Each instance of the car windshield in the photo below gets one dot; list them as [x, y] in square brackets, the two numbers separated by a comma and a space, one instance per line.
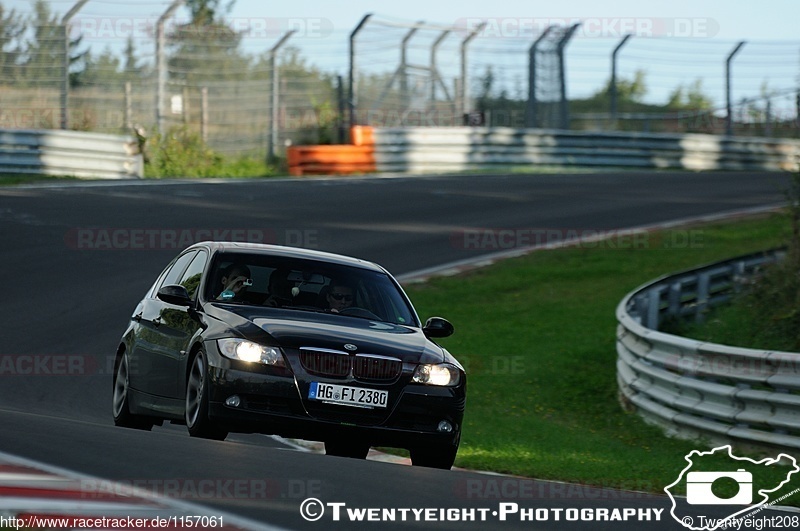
[306, 285]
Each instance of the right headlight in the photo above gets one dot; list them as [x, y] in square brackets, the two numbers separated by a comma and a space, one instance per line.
[244, 350]
[440, 374]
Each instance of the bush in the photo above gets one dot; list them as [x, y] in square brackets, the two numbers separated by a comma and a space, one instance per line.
[767, 314]
[182, 153]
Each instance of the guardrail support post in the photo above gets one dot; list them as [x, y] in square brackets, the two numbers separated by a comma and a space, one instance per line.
[703, 283]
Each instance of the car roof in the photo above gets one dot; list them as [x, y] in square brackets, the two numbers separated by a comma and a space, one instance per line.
[289, 252]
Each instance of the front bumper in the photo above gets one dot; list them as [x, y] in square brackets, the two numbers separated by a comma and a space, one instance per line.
[273, 404]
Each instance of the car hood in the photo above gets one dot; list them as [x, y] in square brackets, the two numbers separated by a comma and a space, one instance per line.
[292, 329]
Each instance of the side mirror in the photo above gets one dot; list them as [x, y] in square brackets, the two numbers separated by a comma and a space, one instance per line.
[174, 294]
[437, 327]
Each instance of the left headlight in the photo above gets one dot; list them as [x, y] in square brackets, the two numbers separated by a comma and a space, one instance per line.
[243, 350]
[442, 374]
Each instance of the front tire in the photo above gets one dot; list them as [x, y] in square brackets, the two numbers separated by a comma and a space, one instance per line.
[434, 456]
[196, 410]
[120, 403]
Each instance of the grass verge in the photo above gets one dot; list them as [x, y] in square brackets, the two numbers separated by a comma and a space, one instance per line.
[14, 179]
[537, 337]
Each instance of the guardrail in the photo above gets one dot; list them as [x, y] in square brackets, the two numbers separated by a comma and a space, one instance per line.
[448, 149]
[695, 389]
[70, 153]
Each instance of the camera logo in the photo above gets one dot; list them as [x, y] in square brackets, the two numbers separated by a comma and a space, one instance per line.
[699, 487]
[736, 486]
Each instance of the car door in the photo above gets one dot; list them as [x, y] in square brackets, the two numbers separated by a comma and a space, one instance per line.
[150, 348]
[176, 330]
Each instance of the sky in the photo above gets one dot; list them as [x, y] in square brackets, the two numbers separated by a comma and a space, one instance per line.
[674, 43]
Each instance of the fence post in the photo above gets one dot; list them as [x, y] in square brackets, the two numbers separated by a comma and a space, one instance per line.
[728, 104]
[351, 99]
[403, 69]
[564, 107]
[612, 88]
[532, 120]
[463, 81]
[65, 78]
[273, 125]
[128, 106]
[340, 134]
[204, 114]
[434, 72]
[161, 63]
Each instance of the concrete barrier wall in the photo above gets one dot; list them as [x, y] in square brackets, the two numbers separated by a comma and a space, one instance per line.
[453, 149]
[70, 153]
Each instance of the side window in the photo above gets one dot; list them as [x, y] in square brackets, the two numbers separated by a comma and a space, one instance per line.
[177, 269]
[191, 278]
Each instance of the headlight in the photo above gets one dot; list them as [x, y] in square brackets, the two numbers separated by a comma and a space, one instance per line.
[243, 350]
[441, 375]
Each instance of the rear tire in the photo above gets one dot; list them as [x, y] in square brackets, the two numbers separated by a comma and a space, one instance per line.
[434, 456]
[196, 409]
[346, 448]
[120, 403]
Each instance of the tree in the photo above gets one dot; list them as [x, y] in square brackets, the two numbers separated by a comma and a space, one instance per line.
[102, 70]
[689, 98]
[130, 67]
[44, 54]
[206, 48]
[12, 26]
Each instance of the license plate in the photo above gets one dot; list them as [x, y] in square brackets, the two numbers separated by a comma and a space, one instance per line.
[348, 396]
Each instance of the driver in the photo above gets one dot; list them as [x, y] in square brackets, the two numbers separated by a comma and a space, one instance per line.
[340, 296]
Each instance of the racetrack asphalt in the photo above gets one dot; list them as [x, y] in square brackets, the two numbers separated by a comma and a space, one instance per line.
[79, 256]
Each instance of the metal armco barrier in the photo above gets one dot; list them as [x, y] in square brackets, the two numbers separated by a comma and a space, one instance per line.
[699, 390]
[70, 153]
[449, 149]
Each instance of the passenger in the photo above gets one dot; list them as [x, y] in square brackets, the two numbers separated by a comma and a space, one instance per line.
[235, 281]
[279, 291]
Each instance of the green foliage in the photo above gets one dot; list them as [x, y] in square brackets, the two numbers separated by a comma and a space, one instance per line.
[46, 49]
[767, 314]
[181, 153]
[12, 26]
[206, 48]
[537, 337]
[689, 98]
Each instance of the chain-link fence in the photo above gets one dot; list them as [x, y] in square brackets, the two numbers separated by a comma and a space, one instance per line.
[251, 85]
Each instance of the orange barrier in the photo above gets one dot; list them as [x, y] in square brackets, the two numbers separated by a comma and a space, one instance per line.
[335, 160]
[362, 135]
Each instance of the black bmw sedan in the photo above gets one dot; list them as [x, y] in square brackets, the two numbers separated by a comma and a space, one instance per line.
[250, 338]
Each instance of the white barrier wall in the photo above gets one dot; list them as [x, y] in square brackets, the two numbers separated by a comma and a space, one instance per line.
[70, 153]
[433, 149]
